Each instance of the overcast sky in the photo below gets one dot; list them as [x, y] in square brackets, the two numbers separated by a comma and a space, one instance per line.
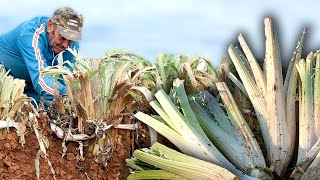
[193, 27]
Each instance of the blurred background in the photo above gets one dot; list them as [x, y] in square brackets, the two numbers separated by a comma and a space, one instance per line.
[193, 27]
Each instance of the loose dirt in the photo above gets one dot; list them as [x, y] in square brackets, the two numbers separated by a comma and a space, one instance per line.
[18, 162]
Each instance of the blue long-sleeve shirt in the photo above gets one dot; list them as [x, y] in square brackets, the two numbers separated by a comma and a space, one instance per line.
[26, 49]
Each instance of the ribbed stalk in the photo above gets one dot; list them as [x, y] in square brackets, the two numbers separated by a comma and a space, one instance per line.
[256, 98]
[267, 95]
[305, 162]
[241, 127]
[236, 81]
[232, 149]
[280, 138]
[187, 169]
[291, 95]
[259, 77]
[316, 99]
[179, 157]
[157, 107]
[313, 172]
[196, 143]
[296, 56]
[164, 130]
[155, 174]
[185, 106]
[217, 112]
[202, 148]
[245, 62]
[306, 122]
[240, 151]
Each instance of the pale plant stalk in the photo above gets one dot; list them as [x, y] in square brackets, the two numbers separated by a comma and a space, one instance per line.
[313, 172]
[162, 71]
[317, 96]
[306, 161]
[291, 95]
[241, 127]
[306, 121]
[279, 154]
[267, 96]
[257, 99]
[254, 164]
[236, 81]
[233, 148]
[172, 135]
[245, 62]
[309, 108]
[296, 56]
[290, 91]
[181, 164]
[215, 109]
[157, 107]
[155, 174]
[201, 139]
[190, 117]
[259, 77]
[189, 139]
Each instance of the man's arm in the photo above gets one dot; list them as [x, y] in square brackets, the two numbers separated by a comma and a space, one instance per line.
[31, 46]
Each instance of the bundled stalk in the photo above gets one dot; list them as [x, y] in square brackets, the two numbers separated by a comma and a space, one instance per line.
[184, 130]
[309, 142]
[306, 119]
[230, 133]
[174, 165]
[267, 94]
[316, 99]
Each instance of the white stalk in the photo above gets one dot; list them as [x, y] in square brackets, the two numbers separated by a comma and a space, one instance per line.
[305, 162]
[235, 80]
[193, 168]
[68, 136]
[291, 93]
[313, 172]
[241, 127]
[296, 56]
[9, 123]
[256, 98]
[280, 139]
[306, 122]
[316, 99]
[259, 77]
[188, 138]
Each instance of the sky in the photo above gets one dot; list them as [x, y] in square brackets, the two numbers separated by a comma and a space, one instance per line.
[192, 27]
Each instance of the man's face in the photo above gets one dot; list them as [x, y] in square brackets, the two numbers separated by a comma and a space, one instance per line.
[58, 42]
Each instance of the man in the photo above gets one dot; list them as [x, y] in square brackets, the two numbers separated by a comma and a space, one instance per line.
[35, 44]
